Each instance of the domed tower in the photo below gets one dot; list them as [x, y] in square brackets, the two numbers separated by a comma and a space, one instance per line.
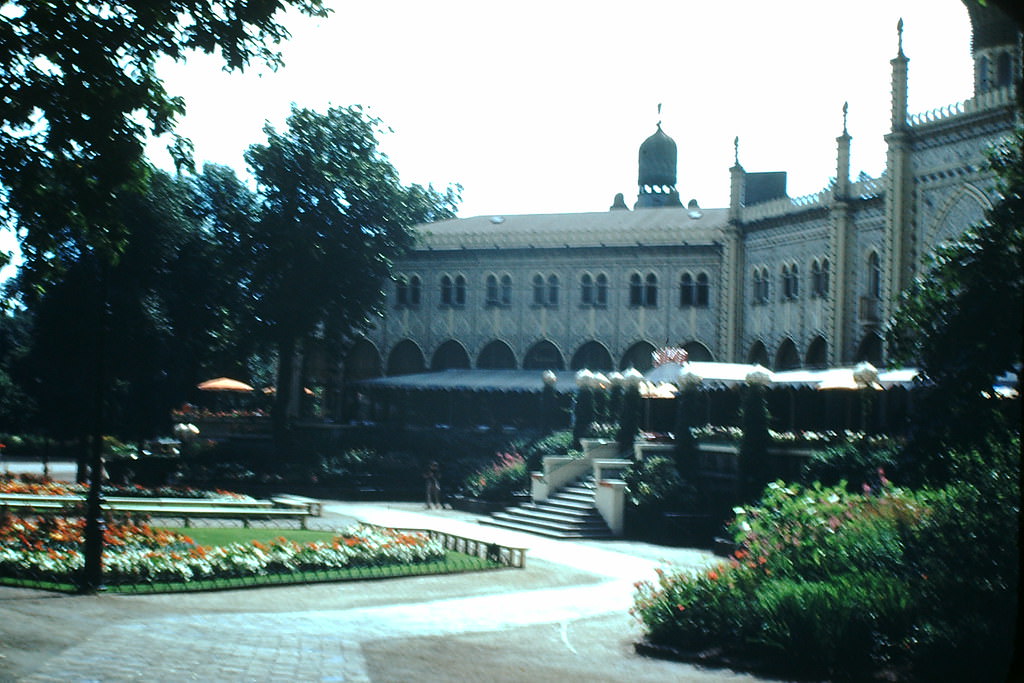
[995, 46]
[657, 176]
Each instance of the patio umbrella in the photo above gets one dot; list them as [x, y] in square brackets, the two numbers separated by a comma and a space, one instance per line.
[223, 384]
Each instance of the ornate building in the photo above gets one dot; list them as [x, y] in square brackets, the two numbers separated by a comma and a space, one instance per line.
[786, 282]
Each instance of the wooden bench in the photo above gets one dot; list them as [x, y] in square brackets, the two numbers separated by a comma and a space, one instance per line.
[288, 500]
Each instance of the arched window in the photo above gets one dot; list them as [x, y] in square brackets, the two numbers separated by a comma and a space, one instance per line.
[703, 299]
[460, 291]
[602, 290]
[686, 293]
[787, 284]
[824, 277]
[1004, 74]
[552, 290]
[586, 290]
[756, 285]
[794, 277]
[984, 74]
[506, 290]
[491, 298]
[401, 291]
[636, 290]
[651, 291]
[414, 290]
[538, 290]
[815, 279]
[446, 290]
[874, 276]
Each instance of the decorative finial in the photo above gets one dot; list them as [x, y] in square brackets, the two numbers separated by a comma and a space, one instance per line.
[899, 33]
[659, 114]
[736, 149]
[846, 110]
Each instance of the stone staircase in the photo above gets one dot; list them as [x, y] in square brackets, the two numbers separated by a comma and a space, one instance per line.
[569, 513]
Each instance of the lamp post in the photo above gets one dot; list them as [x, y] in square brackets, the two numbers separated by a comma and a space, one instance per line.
[753, 454]
[688, 382]
[583, 415]
[865, 376]
[629, 424]
[547, 399]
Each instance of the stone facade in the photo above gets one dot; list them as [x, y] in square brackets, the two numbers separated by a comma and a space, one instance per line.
[787, 282]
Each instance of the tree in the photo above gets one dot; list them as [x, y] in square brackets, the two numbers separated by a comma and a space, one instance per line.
[961, 321]
[78, 94]
[334, 217]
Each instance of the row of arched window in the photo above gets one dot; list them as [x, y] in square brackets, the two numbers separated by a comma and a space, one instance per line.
[790, 281]
[820, 275]
[694, 291]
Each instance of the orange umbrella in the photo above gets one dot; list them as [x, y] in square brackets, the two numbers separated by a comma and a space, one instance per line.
[273, 390]
[224, 384]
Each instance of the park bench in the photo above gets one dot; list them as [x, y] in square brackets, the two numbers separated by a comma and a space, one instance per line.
[288, 500]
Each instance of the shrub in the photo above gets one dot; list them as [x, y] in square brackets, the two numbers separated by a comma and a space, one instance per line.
[503, 479]
[654, 484]
[856, 462]
[821, 585]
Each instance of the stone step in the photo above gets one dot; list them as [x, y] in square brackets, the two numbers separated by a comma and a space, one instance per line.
[548, 515]
[559, 510]
[587, 499]
[546, 531]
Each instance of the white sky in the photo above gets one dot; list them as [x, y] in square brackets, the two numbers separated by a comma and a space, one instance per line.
[540, 106]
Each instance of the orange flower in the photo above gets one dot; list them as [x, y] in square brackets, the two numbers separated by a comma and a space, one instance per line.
[713, 575]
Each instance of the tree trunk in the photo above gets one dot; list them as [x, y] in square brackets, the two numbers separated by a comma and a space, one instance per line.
[281, 413]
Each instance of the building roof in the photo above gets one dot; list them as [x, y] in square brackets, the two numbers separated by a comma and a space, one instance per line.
[643, 227]
[514, 381]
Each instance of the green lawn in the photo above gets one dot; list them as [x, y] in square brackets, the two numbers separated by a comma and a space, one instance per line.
[229, 535]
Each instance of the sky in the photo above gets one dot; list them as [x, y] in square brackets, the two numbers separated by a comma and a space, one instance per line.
[540, 106]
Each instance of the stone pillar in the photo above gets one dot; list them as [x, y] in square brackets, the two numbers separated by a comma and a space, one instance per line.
[838, 294]
[899, 240]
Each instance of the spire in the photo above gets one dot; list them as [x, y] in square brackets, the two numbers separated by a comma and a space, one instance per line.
[899, 34]
[846, 111]
[736, 150]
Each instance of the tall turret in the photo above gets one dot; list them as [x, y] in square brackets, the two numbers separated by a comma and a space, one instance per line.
[657, 171]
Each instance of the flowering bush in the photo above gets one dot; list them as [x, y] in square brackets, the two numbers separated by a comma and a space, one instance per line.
[40, 487]
[50, 550]
[820, 583]
[506, 477]
[804, 439]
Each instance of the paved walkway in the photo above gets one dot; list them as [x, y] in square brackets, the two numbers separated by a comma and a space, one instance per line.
[563, 618]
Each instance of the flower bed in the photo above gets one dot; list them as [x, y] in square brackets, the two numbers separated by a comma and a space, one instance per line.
[50, 550]
[40, 487]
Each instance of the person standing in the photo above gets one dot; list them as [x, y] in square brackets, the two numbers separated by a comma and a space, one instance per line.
[433, 480]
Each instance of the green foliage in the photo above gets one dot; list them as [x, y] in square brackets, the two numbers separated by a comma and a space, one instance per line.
[504, 478]
[80, 94]
[969, 551]
[830, 583]
[961, 321]
[156, 320]
[655, 484]
[856, 462]
[334, 217]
